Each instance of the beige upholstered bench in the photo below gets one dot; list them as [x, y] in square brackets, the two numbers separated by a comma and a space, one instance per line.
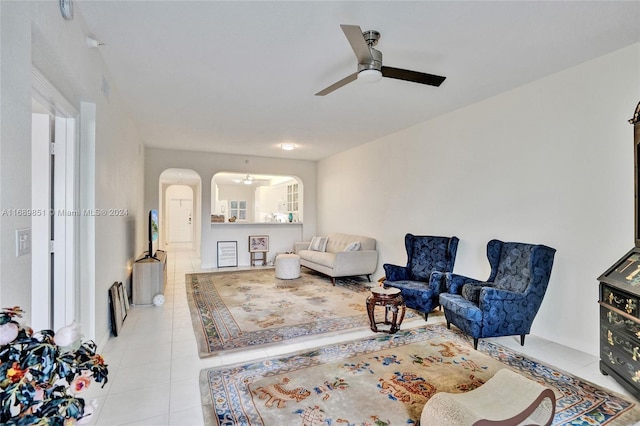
[287, 266]
[507, 399]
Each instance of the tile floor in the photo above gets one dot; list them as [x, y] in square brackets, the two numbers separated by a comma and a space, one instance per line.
[154, 363]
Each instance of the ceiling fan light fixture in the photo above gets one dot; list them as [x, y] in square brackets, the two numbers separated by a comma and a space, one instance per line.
[370, 76]
[287, 146]
[370, 68]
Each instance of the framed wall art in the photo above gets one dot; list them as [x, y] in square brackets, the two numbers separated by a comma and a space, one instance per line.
[227, 253]
[118, 307]
[258, 243]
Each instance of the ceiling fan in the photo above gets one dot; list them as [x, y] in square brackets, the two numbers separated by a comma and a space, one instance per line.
[370, 66]
[248, 180]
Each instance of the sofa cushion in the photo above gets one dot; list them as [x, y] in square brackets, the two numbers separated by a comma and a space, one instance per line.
[416, 294]
[471, 292]
[338, 242]
[318, 244]
[354, 246]
[318, 257]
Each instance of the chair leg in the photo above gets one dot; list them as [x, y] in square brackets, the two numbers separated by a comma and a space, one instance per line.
[369, 278]
[448, 325]
[426, 316]
[333, 280]
[522, 339]
[475, 343]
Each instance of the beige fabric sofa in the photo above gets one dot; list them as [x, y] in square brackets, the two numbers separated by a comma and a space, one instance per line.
[335, 261]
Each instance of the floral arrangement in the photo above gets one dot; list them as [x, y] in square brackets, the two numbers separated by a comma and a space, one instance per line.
[41, 373]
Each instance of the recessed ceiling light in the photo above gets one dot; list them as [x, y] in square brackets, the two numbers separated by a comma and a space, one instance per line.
[287, 146]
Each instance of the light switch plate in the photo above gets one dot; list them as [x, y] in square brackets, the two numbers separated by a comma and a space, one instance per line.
[23, 242]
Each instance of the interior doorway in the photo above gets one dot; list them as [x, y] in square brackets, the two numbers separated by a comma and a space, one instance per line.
[180, 214]
[54, 212]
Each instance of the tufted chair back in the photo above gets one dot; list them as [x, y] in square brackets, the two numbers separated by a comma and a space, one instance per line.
[512, 272]
[426, 254]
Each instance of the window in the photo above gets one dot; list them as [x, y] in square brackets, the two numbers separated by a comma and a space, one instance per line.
[292, 197]
[238, 209]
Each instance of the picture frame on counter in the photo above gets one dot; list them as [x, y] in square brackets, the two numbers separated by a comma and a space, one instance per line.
[258, 243]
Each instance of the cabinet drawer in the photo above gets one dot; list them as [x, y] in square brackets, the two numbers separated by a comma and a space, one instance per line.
[630, 348]
[621, 363]
[624, 325]
[620, 300]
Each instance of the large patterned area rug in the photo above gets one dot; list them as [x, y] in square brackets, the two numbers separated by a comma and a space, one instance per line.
[386, 380]
[241, 309]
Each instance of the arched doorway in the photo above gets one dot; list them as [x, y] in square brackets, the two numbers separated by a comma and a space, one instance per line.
[179, 208]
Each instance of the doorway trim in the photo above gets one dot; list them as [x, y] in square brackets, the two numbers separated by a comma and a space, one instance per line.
[60, 215]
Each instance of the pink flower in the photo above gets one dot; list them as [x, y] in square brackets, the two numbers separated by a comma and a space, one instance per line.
[79, 384]
[39, 396]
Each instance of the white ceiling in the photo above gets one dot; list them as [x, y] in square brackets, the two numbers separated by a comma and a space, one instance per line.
[239, 77]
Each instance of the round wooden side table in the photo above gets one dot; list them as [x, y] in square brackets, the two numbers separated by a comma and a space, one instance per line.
[391, 300]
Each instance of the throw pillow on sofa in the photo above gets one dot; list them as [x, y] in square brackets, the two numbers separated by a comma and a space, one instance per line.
[354, 246]
[318, 244]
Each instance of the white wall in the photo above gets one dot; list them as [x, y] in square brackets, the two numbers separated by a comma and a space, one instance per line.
[35, 33]
[207, 164]
[15, 149]
[550, 162]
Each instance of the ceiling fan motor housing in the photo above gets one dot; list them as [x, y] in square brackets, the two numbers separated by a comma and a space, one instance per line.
[371, 37]
[376, 62]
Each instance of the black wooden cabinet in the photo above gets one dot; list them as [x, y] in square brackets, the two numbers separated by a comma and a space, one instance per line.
[620, 300]
[620, 322]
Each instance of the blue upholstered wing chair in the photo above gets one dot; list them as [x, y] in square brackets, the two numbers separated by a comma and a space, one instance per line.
[422, 280]
[508, 301]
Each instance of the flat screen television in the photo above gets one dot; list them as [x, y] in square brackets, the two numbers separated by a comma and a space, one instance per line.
[153, 232]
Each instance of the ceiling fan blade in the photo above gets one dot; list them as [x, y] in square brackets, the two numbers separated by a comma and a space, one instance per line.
[414, 76]
[358, 44]
[339, 84]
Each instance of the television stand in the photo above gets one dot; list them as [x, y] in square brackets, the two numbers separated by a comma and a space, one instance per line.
[149, 277]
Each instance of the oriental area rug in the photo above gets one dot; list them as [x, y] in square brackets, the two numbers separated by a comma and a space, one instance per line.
[242, 309]
[386, 380]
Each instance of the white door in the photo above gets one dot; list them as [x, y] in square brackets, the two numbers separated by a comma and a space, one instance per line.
[180, 220]
[52, 214]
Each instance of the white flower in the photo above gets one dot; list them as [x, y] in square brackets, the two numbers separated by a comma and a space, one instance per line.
[68, 335]
[8, 333]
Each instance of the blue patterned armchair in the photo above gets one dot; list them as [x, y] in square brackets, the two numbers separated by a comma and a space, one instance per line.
[422, 280]
[507, 303]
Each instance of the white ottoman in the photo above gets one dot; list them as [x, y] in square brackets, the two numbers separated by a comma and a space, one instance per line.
[287, 266]
[506, 399]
